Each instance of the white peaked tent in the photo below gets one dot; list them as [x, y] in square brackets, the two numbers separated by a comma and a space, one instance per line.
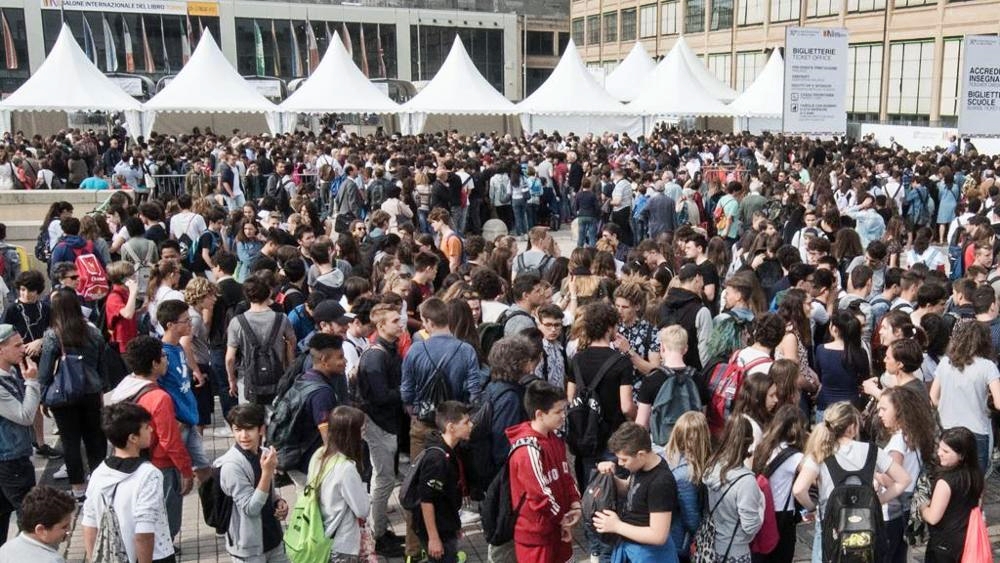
[759, 107]
[674, 92]
[458, 97]
[623, 81]
[68, 81]
[337, 86]
[209, 92]
[572, 100]
[715, 87]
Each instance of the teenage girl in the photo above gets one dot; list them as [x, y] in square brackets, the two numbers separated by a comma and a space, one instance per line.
[687, 455]
[778, 456]
[756, 402]
[956, 488]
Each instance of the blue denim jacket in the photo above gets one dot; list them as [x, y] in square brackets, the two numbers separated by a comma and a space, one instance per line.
[463, 376]
[18, 404]
[686, 520]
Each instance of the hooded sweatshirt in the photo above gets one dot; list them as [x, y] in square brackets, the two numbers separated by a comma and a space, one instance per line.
[540, 471]
[135, 489]
[67, 248]
[330, 284]
[687, 309]
[740, 512]
[166, 449]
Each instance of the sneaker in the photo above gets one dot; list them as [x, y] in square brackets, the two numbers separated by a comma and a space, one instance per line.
[422, 558]
[61, 473]
[48, 451]
[468, 517]
[388, 548]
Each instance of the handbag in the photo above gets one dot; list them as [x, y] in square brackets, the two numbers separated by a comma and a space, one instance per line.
[67, 385]
[366, 553]
[977, 539]
[916, 529]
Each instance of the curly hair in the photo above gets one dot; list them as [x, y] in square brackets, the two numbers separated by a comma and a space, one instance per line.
[596, 320]
[637, 290]
[511, 357]
[791, 310]
[198, 289]
[914, 419]
[969, 341]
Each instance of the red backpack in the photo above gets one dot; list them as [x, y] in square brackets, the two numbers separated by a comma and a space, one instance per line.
[93, 278]
[724, 385]
[767, 537]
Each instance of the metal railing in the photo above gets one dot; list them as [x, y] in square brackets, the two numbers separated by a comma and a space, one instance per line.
[169, 186]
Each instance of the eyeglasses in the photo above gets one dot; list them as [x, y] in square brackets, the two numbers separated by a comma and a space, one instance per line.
[552, 325]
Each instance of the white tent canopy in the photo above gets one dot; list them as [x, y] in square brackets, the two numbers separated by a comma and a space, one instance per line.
[458, 89]
[623, 81]
[764, 97]
[591, 110]
[68, 81]
[208, 84]
[715, 87]
[673, 91]
[338, 86]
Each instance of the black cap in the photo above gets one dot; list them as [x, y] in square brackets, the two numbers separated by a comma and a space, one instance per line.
[330, 311]
[688, 272]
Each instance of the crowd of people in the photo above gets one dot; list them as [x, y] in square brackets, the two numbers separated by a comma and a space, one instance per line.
[811, 314]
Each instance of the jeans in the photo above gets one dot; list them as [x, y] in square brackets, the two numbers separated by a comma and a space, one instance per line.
[234, 203]
[425, 226]
[195, 447]
[450, 546]
[220, 381]
[474, 219]
[533, 210]
[458, 218]
[382, 450]
[276, 555]
[586, 467]
[172, 498]
[17, 477]
[894, 529]
[520, 216]
[81, 423]
[983, 451]
[586, 231]
[506, 214]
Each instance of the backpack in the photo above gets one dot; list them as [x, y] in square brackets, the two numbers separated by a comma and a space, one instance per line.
[479, 469]
[283, 423]
[409, 490]
[94, 284]
[498, 510]
[43, 252]
[956, 251]
[377, 193]
[852, 525]
[537, 270]
[11, 265]
[283, 295]
[767, 537]
[260, 367]
[490, 333]
[729, 334]
[305, 539]
[772, 210]
[704, 539]
[724, 385]
[535, 188]
[109, 547]
[143, 268]
[335, 185]
[194, 249]
[462, 258]
[216, 505]
[588, 430]
[433, 392]
[601, 494]
[677, 395]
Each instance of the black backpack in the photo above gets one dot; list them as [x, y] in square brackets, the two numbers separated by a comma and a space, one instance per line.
[216, 506]
[853, 530]
[490, 333]
[588, 429]
[537, 270]
[260, 367]
[434, 391]
[499, 511]
[409, 490]
[42, 251]
[601, 494]
[283, 424]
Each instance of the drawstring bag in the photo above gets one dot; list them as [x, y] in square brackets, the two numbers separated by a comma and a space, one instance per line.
[977, 539]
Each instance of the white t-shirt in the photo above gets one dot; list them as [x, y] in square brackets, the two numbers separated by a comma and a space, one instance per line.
[963, 394]
[187, 222]
[911, 459]
[783, 478]
[492, 310]
[932, 257]
[750, 354]
[851, 456]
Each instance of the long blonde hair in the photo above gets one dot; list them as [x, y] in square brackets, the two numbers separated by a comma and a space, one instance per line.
[837, 420]
[689, 438]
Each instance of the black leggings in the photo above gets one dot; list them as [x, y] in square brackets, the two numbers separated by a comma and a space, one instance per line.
[81, 423]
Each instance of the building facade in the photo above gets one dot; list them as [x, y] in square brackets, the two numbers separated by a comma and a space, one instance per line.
[515, 44]
[904, 54]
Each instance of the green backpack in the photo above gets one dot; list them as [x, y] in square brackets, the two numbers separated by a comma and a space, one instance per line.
[729, 334]
[305, 539]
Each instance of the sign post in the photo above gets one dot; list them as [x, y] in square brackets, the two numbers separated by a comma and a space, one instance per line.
[979, 115]
[815, 81]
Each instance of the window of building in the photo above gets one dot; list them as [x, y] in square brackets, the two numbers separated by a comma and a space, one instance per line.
[668, 17]
[563, 42]
[485, 48]
[694, 16]
[750, 12]
[721, 65]
[910, 70]
[593, 30]
[951, 81]
[911, 3]
[820, 8]
[577, 29]
[540, 43]
[647, 21]
[748, 66]
[610, 23]
[864, 81]
[865, 5]
[722, 14]
[628, 25]
[784, 10]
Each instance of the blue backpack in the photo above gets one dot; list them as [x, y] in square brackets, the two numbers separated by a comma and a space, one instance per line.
[335, 185]
[678, 395]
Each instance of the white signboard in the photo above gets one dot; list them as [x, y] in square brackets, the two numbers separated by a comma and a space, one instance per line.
[175, 7]
[267, 87]
[815, 81]
[980, 111]
[131, 84]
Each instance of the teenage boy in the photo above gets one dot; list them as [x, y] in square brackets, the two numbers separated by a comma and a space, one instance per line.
[44, 519]
[246, 474]
[261, 320]
[643, 521]
[552, 368]
[167, 452]
[540, 473]
[132, 485]
[19, 399]
[437, 522]
[230, 295]
[208, 244]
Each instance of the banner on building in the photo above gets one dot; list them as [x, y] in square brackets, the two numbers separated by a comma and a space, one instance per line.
[815, 89]
[980, 111]
[163, 7]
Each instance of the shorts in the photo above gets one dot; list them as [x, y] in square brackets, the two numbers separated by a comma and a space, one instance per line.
[195, 447]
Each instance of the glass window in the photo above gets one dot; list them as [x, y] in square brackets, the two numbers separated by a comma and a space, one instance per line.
[593, 30]
[865, 5]
[628, 25]
[864, 79]
[721, 66]
[820, 8]
[748, 66]
[910, 3]
[784, 10]
[577, 29]
[951, 81]
[750, 12]
[610, 24]
[694, 17]
[563, 42]
[485, 47]
[647, 21]
[910, 70]
[540, 43]
[668, 17]
[722, 14]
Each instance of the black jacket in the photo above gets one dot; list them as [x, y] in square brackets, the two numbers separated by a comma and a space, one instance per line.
[681, 308]
[438, 484]
[379, 376]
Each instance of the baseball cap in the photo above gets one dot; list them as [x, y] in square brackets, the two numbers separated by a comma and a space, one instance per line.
[6, 332]
[688, 272]
[331, 311]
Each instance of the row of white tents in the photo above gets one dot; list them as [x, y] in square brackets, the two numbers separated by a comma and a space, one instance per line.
[209, 92]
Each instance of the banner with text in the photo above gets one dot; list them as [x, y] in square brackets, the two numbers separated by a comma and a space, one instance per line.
[164, 7]
[980, 111]
[815, 81]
